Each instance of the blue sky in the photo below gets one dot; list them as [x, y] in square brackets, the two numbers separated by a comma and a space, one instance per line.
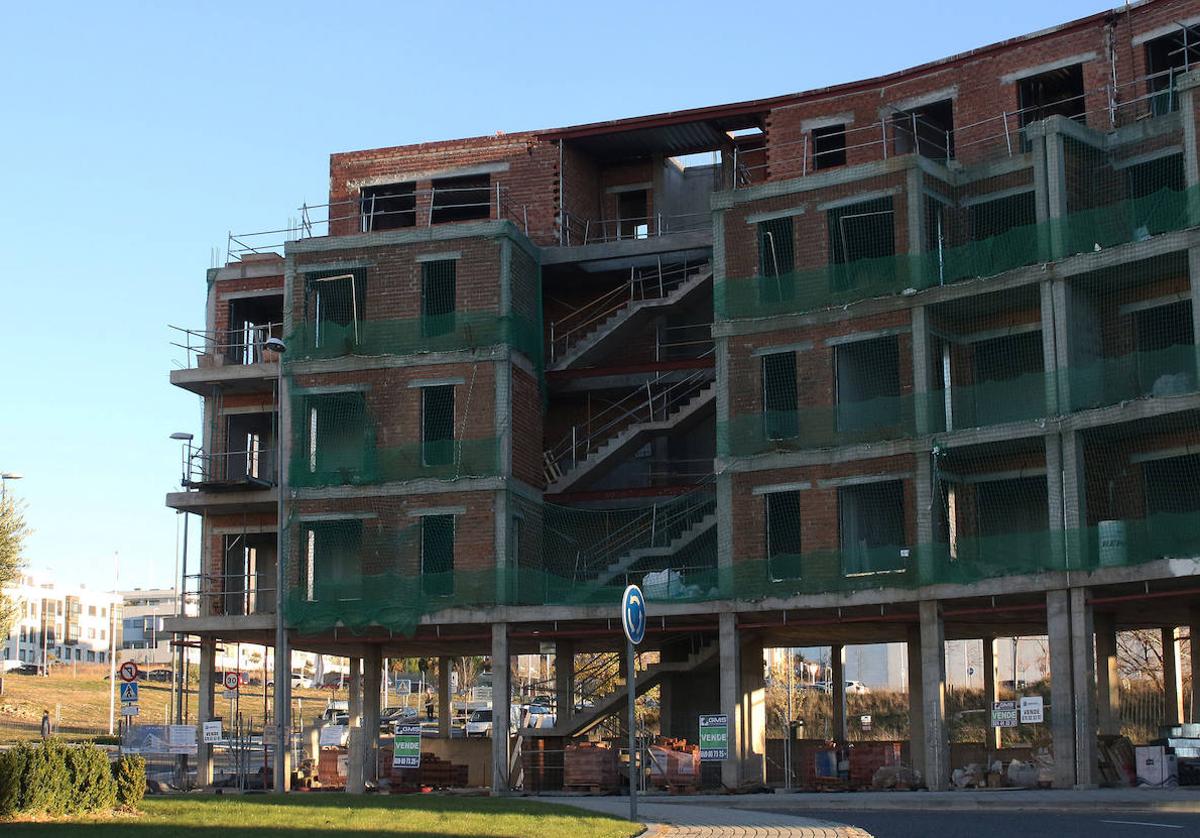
[135, 135]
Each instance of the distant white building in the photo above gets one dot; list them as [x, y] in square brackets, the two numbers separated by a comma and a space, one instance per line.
[60, 624]
[143, 638]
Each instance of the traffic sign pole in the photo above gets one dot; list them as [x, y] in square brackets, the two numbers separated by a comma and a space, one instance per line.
[633, 777]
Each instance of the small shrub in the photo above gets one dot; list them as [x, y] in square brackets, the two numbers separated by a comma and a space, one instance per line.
[47, 782]
[12, 779]
[93, 787]
[130, 774]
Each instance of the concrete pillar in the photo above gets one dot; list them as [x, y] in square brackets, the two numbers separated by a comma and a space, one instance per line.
[1172, 678]
[445, 698]
[927, 563]
[1083, 684]
[501, 702]
[1194, 654]
[923, 407]
[372, 679]
[1049, 348]
[355, 779]
[752, 710]
[992, 738]
[1062, 711]
[1108, 682]
[564, 679]
[1074, 501]
[916, 701]
[837, 666]
[206, 710]
[933, 683]
[1054, 502]
[729, 654]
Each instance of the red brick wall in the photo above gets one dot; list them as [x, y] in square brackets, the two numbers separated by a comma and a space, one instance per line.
[818, 506]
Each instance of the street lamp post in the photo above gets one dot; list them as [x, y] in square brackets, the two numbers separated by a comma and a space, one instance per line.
[283, 657]
[5, 476]
[181, 604]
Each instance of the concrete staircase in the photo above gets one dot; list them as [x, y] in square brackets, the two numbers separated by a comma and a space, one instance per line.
[631, 437]
[626, 320]
[582, 722]
[666, 551]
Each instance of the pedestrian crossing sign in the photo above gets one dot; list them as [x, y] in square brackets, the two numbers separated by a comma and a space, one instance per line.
[129, 692]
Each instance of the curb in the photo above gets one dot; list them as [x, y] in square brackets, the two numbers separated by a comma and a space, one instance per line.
[917, 804]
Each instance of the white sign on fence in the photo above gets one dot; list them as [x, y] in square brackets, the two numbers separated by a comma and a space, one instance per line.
[1032, 710]
[212, 732]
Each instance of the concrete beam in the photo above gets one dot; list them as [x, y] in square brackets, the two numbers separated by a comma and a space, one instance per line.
[1083, 684]
[1108, 681]
[1062, 710]
[206, 709]
[501, 701]
[1172, 678]
[933, 682]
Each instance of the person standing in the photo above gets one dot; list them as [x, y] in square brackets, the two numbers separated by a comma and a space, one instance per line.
[45, 724]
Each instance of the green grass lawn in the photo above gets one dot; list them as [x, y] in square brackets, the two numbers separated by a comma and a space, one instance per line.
[326, 815]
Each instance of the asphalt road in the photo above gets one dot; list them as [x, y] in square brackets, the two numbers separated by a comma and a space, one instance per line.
[935, 824]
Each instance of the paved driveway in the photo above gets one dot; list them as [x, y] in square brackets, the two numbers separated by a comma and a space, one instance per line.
[687, 820]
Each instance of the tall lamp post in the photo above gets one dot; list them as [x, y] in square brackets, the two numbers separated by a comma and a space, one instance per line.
[5, 476]
[180, 660]
[283, 656]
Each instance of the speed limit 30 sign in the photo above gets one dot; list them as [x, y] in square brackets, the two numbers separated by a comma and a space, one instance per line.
[232, 680]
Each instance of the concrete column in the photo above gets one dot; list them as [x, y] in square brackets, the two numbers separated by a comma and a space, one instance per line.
[1083, 684]
[752, 710]
[916, 701]
[1074, 501]
[1062, 710]
[992, 737]
[730, 667]
[837, 665]
[501, 703]
[933, 682]
[1172, 678]
[372, 684]
[922, 407]
[206, 710]
[1054, 502]
[1049, 348]
[1108, 683]
[926, 562]
[445, 704]
[1194, 271]
[355, 778]
[564, 679]
[1194, 654]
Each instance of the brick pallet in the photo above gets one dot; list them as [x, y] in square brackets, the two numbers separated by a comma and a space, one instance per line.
[674, 764]
[868, 757]
[329, 767]
[542, 763]
[590, 766]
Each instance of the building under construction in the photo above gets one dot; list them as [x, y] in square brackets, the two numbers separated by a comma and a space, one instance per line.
[909, 359]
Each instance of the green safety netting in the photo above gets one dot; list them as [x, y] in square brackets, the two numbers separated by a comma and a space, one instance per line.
[361, 577]
[1171, 371]
[1080, 231]
[435, 333]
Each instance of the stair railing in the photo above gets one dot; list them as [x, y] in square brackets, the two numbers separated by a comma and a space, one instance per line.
[642, 284]
[653, 401]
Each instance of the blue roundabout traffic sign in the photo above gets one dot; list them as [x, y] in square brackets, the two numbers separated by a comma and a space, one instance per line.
[633, 614]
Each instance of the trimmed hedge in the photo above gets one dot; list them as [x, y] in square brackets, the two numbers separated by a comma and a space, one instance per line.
[130, 772]
[53, 779]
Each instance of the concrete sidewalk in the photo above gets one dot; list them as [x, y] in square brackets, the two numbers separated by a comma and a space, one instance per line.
[676, 817]
[1181, 800]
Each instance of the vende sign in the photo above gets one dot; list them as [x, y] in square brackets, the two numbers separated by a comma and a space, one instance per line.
[714, 737]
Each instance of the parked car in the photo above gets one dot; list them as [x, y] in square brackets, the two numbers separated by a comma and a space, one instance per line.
[479, 723]
[162, 676]
[857, 688]
[534, 715]
[393, 716]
